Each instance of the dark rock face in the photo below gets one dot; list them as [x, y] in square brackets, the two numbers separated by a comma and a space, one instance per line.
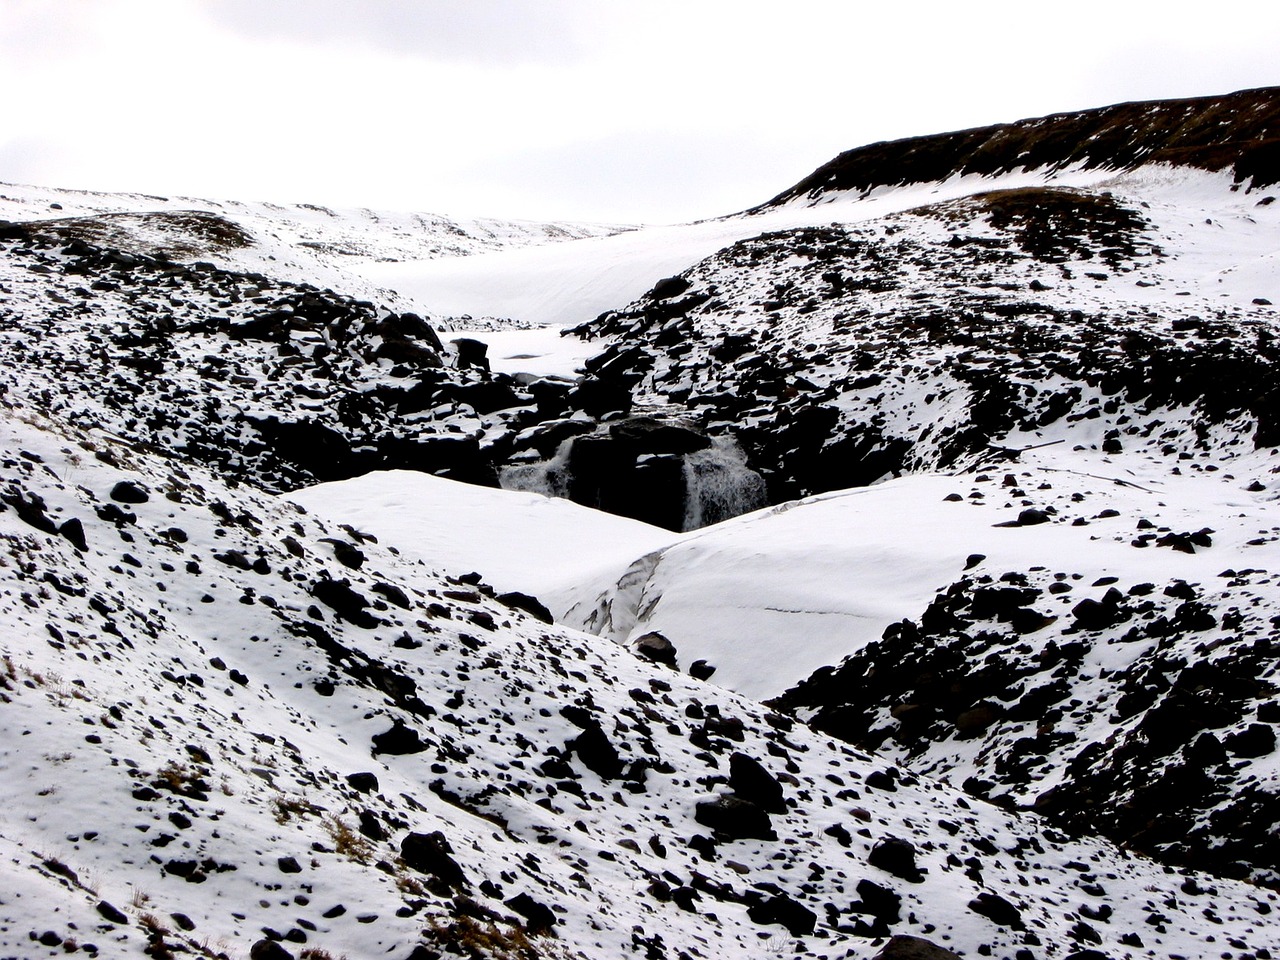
[1207, 132]
[735, 818]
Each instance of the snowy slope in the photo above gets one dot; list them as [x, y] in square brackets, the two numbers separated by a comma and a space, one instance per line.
[1051, 377]
[572, 283]
[225, 721]
[544, 546]
[305, 243]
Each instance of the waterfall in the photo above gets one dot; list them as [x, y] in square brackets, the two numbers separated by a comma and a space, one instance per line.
[547, 477]
[719, 485]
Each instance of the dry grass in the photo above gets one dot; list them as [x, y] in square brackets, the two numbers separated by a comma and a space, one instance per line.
[347, 842]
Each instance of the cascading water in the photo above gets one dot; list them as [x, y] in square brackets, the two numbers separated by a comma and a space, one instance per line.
[547, 477]
[719, 485]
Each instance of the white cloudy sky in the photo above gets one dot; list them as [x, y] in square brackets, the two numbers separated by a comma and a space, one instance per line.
[643, 110]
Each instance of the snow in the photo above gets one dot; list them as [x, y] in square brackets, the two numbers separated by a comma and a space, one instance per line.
[770, 597]
[206, 730]
[574, 282]
[517, 541]
[179, 694]
[302, 242]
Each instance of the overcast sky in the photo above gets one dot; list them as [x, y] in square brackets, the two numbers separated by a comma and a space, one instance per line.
[643, 110]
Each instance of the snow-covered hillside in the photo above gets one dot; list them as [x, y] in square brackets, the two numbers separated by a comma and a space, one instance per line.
[934, 613]
[300, 242]
[225, 720]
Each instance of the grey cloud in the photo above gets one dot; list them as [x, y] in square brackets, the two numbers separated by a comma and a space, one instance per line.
[476, 31]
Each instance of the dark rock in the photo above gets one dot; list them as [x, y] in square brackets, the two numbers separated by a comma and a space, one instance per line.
[126, 491]
[736, 818]
[596, 752]
[363, 782]
[431, 854]
[669, 287]
[701, 670]
[471, 353]
[998, 910]
[880, 902]
[289, 865]
[1255, 740]
[654, 646]
[269, 950]
[371, 827]
[73, 530]
[345, 602]
[897, 857]
[902, 947]
[111, 913]
[749, 780]
[648, 435]
[398, 741]
[538, 916]
[781, 908]
[1092, 614]
[530, 605]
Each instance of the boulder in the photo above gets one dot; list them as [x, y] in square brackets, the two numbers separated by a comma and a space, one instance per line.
[431, 854]
[751, 781]
[897, 857]
[656, 647]
[736, 818]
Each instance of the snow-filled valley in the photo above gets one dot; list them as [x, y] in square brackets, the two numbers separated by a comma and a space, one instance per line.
[888, 571]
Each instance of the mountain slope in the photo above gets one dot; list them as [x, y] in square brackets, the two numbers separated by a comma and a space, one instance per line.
[304, 736]
[1239, 132]
[303, 243]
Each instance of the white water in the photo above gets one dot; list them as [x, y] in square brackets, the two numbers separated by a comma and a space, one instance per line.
[719, 485]
[547, 477]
